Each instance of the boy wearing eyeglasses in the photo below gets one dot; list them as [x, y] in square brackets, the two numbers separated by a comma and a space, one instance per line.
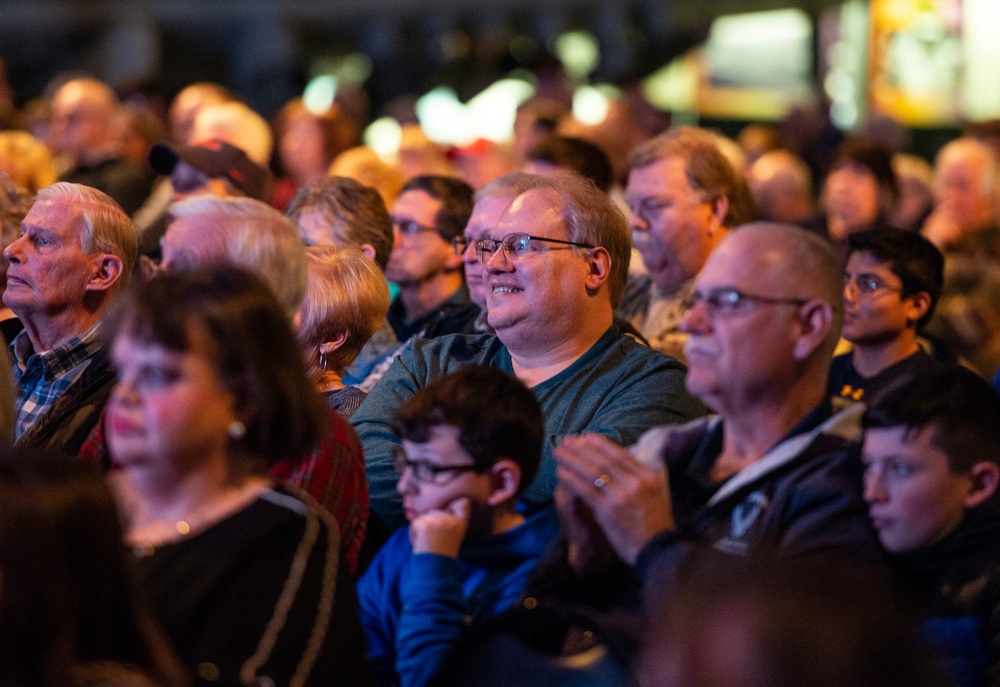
[470, 442]
[931, 451]
[892, 282]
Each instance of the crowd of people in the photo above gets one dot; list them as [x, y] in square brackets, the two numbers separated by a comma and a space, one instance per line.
[281, 412]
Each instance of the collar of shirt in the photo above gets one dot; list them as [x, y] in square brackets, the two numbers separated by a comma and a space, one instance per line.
[59, 360]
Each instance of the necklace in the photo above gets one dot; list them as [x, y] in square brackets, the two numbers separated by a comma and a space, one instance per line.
[157, 532]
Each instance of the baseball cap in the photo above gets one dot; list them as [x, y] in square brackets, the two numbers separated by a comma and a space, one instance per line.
[217, 159]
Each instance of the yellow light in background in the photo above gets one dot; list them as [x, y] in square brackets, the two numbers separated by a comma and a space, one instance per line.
[491, 113]
[579, 53]
[319, 94]
[592, 103]
[384, 136]
[443, 118]
[981, 85]
[674, 86]
[355, 68]
[761, 27]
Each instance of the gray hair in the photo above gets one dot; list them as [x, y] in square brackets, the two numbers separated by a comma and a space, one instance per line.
[250, 234]
[103, 225]
[589, 216]
[346, 291]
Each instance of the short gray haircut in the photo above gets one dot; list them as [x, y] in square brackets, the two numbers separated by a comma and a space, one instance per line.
[970, 147]
[250, 234]
[104, 227]
[589, 215]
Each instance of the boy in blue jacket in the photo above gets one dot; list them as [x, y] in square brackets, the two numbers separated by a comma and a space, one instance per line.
[931, 453]
[470, 442]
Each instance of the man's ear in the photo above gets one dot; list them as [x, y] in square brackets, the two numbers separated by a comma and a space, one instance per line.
[598, 268]
[720, 208]
[917, 305]
[815, 320]
[505, 479]
[108, 270]
[985, 477]
[368, 249]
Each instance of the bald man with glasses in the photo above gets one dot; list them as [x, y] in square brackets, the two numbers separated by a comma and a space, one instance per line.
[776, 473]
[552, 267]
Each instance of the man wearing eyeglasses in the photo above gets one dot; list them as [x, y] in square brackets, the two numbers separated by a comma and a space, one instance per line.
[776, 473]
[427, 214]
[892, 282]
[684, 197]
[553, 267]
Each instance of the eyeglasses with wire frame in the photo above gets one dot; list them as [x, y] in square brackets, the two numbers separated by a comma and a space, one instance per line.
[518, 245]
[428, 473]
[729, 301]
[866, 285]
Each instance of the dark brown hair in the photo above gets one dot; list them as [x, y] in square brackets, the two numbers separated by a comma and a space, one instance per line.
[251, 349]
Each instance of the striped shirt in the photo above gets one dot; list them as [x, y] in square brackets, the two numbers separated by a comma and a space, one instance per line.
[41, 378]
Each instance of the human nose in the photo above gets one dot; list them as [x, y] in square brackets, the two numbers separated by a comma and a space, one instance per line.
[874, 491]
[696, 319]
[406, 484]
[851, 291]
[13, 252]
[469, 254]
[498, 260]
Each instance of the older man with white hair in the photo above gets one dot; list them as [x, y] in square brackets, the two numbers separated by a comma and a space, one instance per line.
[76, 251]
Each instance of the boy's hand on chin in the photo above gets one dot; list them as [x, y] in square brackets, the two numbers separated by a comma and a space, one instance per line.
[441, 531]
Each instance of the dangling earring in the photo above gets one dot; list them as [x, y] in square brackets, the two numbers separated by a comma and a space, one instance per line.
[322, 359]
[236, 430]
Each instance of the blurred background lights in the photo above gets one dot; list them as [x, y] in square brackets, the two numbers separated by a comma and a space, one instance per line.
[319, 94]
[491, 113]
[591, 103]
[578, 52]
[443, 118]
[384, 136]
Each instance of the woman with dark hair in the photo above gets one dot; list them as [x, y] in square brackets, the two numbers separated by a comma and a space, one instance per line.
[244, 576]
[69, 607]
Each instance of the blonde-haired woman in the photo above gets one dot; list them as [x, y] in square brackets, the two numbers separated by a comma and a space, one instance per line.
[346, 302]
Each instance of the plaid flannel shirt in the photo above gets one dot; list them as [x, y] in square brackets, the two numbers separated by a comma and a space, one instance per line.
[41, 378]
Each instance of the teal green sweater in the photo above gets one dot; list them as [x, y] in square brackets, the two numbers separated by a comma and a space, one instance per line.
[619, 388]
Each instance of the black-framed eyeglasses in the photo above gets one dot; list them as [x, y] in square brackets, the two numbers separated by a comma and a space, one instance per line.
[727, 301]
[425, 472]
[865, 285]
[411, 227]
[459, 244]
[518, 245]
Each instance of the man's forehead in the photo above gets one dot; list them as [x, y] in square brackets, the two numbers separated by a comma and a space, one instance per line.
[530, 210]
[52, 215]
[742, 263]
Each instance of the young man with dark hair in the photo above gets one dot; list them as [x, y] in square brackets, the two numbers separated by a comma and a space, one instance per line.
[931, 452]
[892, 282]
[472, 440]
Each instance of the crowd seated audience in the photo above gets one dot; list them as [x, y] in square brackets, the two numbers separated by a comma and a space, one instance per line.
[527, 367]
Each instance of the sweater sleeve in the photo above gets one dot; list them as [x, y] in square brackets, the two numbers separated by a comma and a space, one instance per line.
[373, 421]
[432, 619]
